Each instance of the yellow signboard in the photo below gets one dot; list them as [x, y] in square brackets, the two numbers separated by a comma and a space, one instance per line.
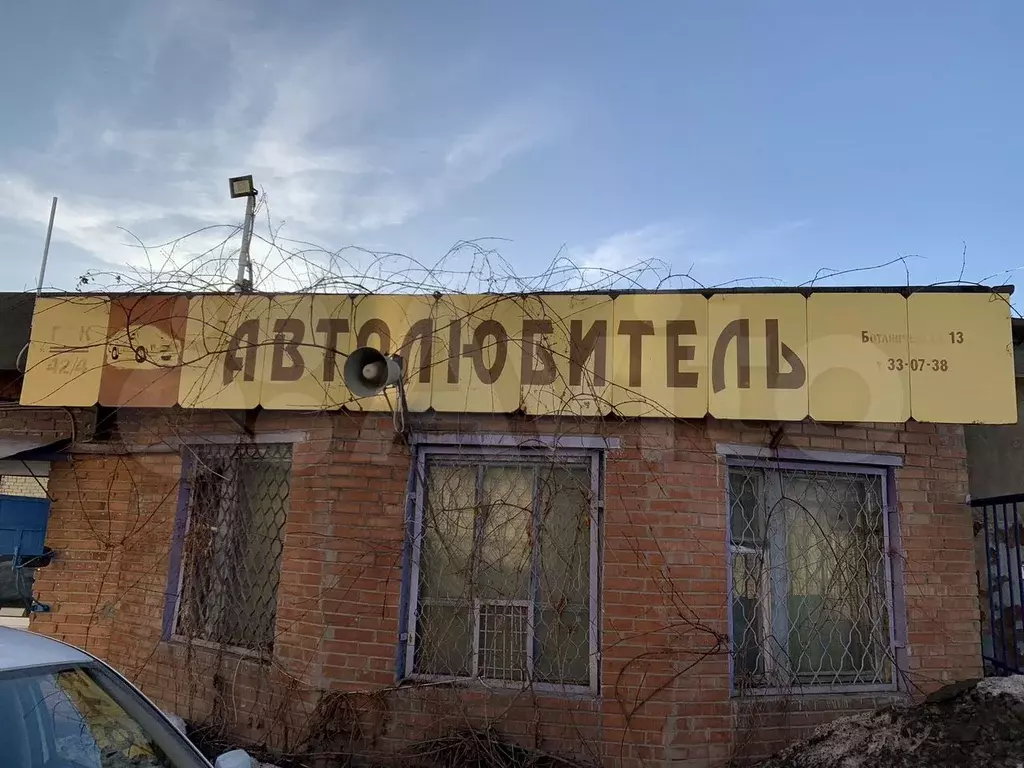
[960, 349]
[851, 339]
[660, 354]
[66, 351]
[757, 361]
[225, 352]
[478, 370]
[565, 355]
[306, 337]
[941, 356]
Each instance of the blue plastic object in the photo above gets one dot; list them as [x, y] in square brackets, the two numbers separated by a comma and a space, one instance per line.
[23, 525]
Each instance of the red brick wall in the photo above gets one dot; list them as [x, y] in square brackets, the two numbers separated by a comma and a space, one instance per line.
[664, 671]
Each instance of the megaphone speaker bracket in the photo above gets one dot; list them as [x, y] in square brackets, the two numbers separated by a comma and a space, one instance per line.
[369, 371]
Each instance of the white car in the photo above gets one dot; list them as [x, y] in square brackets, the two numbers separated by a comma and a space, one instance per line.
[62, 708]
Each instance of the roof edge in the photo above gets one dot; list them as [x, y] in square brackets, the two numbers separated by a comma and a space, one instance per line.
[905, 290]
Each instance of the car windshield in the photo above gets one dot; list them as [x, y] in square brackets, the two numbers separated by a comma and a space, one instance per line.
[82, 716]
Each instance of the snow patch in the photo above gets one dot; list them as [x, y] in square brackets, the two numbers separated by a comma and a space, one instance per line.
[1012, 685]
[176, 721]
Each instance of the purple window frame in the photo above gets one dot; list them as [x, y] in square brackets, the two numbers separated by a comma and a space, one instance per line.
[179, 533]
[178, 536]
[590, 451]
[879, 465]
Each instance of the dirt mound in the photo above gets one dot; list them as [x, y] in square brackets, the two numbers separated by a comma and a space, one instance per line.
[967, 725]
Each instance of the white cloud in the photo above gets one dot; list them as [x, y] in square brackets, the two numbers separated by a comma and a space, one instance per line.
[303, 117]
[483, 150]
[628, 259]
[675, 256]
[626, 249]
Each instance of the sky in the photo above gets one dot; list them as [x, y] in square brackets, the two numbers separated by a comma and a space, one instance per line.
[719, 143]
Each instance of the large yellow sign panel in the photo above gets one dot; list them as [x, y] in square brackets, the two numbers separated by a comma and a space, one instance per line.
[961, 358]
[66, 352]
[757, 358]
[404, 326]
[480, 354]
[308, 337]
[939, 356]
[660, 356]
[565, 355]
[226, 346]
[853, 340]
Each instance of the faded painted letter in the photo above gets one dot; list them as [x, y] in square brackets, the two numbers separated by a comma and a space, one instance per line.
[537, 351]
[797, 374]
[582, 348]
[636, 330]
[740, 331]
[248, 331]
[295, 330]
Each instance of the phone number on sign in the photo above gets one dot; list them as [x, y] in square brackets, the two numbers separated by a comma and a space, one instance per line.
[918, 364]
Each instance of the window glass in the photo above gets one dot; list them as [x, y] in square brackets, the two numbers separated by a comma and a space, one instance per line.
[505, 541]
[70, 718]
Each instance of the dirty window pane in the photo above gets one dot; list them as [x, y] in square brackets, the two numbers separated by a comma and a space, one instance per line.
[506, 533]
[446, 639]
[564, 616]
[835, 555]
[564, 647]
[565, 537]
[746, 512]
[748, 576]
[449, 518]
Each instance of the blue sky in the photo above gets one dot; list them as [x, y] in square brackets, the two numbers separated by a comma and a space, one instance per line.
[734, 141]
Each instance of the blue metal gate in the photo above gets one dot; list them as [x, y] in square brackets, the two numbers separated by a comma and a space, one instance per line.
[1002, 581]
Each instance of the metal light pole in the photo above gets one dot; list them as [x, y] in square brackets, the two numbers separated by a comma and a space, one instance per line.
[46, 247]
[243, 186]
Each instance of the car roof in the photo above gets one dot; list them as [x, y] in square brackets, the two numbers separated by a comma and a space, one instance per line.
[23, 650]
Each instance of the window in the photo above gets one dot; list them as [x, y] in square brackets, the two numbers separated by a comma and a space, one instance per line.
[237, 501]
[811, 588]
[505, 568]
[81, 716]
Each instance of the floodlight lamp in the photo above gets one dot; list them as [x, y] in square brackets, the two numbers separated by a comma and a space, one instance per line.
[242, 186]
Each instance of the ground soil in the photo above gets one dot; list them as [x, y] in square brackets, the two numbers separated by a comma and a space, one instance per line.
[967, 725]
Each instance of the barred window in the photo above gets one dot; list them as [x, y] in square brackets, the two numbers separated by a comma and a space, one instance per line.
[234, 542]
[811, 594]
[505, 565]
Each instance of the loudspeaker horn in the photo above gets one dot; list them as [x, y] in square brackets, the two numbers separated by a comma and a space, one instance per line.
[369, 372]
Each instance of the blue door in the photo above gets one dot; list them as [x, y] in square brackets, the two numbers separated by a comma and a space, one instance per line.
[23, 525]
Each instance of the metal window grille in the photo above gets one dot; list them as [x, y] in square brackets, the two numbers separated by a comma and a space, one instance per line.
[234, 542]
[505, 569]
[1000, 535]
[810, 577]
[24, 485]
